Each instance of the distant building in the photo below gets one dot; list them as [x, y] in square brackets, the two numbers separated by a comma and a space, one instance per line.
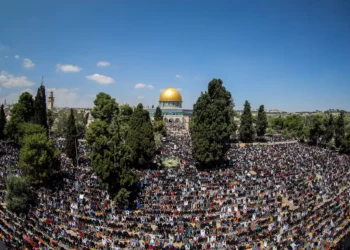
[170, 102]
[50, 101]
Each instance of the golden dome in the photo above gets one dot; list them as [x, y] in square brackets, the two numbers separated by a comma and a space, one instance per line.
[170, 95]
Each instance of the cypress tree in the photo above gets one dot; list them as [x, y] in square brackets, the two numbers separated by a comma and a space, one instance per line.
[2, 122]
[40, 114]
[246, 130]
[110, 156]
[339, 129]
[71, 137]
[261, 123]
[329, 129]
[140, 137]
[212, 124]
[158, 116]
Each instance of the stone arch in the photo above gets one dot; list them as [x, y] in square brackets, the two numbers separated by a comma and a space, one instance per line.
[171, 120]
[165, 120]
[177, 120]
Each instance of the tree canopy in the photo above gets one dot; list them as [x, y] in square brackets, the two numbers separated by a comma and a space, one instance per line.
[105, 108]
[2, 122]
[158, 115]
[212, 124]
[40, 113]
[18, 195]
[339, 129]
[110, 156]
[38, 158]
[140, 137]
[317, 129]
[246, 129]
[71, 137]
[261, 124]
[23, 110]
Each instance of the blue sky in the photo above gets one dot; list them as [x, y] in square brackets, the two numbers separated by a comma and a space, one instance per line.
[288, 55]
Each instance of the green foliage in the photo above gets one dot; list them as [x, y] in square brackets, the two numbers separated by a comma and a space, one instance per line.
[50, 118]
[60, 125]
[317, 129]
[345, 145]
[111, 157]
[270, 131]
[329, 129]
[140, 137]
[290, 125]
[339, 129]
[125, 116]
[122, 197]
[38, 158]
[2, 122]
[212, 124]
[16, 130]
[158, 115]
[105, 107]
[24, 108]
[18, 195]
[159, 127]
[246, 130]
[158, 140]
[71, 137]
[40, 113]
[261, 124]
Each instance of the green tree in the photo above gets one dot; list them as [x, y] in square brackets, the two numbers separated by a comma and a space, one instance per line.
[18, 195]
[261, 124]
[125, 116]
[50, 118]
[329, 129]
[38, 158]
[158, 116]
[16, 130]
[317, 129]
[71, 137]
[140, 137]
[110, 156]
[246, 130]
[24, 109]
[212, 124]
[339, 129]
[2, 122]
[40, 113]
[159, 127]
[105, 107]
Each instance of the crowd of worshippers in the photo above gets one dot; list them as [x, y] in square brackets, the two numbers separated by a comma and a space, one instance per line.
[266, 197]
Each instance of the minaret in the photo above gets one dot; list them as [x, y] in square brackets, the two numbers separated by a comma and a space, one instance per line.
[50, 101]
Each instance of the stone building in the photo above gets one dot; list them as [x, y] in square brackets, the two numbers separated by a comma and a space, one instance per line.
[170, 102]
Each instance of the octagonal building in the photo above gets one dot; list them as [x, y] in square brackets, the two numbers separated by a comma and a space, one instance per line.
[170, 102]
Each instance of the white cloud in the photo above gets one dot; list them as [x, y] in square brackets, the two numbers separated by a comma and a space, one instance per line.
[178, 76]
[70, 98]
[67, 68]
[143, 85]
[27, 63]
[100, 79]
[161, 90]
[179, 89]
[13, 97]
[140, 97]
[9, 81]
[103, 64]
[6, 57]
[16, 56]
